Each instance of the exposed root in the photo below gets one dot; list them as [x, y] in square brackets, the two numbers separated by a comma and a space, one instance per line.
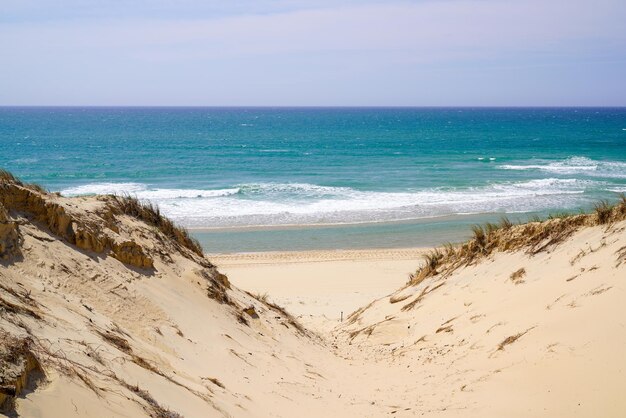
[19, 369]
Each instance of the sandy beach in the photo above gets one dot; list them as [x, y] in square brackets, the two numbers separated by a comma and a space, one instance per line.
[108, 309]
[313, 208]
[317, 286]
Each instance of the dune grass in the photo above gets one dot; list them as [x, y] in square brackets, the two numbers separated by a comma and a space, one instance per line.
[7, 177]
[534, 236]
[517, 277]
[151, 214]
[127, 205]
[603, 211]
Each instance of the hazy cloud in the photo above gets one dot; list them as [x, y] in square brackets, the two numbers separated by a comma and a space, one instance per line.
[314, 53]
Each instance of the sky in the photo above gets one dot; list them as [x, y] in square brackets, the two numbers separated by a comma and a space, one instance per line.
[313, 53]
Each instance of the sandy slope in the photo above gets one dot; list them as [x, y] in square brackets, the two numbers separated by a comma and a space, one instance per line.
[478, 344]
[116, 340]
[441, 355]
[113, 339]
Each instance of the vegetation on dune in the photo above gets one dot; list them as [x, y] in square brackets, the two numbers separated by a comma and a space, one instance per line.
[127, 205]
[535, 236]
[264, 299]
[150, 214]
[20, 370]
[6, 178]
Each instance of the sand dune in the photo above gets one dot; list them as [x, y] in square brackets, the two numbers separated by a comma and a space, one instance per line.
[104, 311]
[514, 335]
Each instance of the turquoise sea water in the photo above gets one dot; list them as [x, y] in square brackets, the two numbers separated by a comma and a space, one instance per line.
[246, 179]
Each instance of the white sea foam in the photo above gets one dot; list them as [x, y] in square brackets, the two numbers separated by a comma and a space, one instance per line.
[103, 188]
[158, 194]
[25, 160]
[142, 192]
[303, 203]
[575, 165]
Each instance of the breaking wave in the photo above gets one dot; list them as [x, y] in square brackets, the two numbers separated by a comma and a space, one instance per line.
[575, 165]
[257, 204]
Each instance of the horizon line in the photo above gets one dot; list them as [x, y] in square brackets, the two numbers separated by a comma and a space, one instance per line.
[3, 106]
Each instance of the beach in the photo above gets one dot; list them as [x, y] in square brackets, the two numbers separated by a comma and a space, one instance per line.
[313, 208]
[279, 262]
[317, 287]
[108, 308]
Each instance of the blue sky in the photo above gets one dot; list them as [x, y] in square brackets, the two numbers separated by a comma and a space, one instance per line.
[292, 52]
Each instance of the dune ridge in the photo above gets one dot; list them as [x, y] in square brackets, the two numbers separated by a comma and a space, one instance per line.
[107, 309]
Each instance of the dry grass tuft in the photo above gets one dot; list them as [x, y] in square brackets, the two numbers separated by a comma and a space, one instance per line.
[489, 228]
[7, 177]
[19, 370]
[399, 298]
[94, 354]
[72, 371]
[156, 410]
[517, 277]
[511, 339]
[432, 261]
[151, 214]
[425, 291]
[505, 223]
[261, 297]
[603, 212]
[13, 308]
[216, 382]
[24, 298]
[621, 255]
[534, 237]
[480, 236]
[145, 364]
[115, 340]
[290, 319]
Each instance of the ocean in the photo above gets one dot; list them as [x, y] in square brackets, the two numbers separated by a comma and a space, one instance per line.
[258, 179]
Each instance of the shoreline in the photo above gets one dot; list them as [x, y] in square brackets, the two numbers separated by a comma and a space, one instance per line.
[309, 256]
[387, 236]
[295, 226]
[445, 217]
[345, 237]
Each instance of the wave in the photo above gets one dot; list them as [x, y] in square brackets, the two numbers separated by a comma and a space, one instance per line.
[258, 204]
[142, 191]
[24, 161]
[103, 188]
[575, 165]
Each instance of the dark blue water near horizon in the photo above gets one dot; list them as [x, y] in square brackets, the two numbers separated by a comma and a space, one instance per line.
[278, 178]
